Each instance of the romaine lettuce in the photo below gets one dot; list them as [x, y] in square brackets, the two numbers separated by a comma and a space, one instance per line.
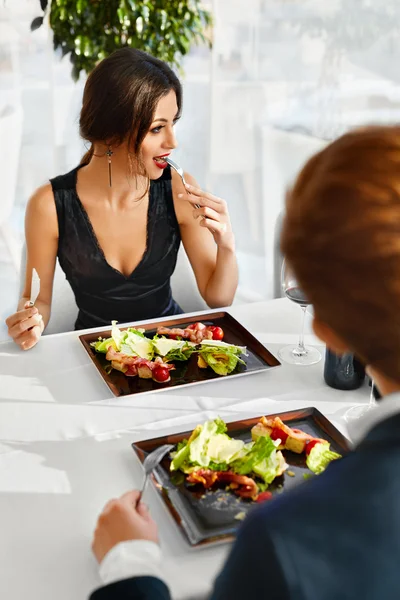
[270, 467]
[259, 451]
[181, 456]
[319, 457]
[221, 357]
[102, 345]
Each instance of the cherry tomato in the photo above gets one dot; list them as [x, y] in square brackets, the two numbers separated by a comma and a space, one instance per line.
[311, 445]
[278, 434]
[264, 496]
[161, 374]
[173, 336]
[217, 332]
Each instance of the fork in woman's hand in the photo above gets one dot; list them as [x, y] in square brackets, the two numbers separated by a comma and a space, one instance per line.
[179, 170]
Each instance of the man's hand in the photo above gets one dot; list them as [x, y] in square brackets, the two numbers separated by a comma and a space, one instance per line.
[121, 521]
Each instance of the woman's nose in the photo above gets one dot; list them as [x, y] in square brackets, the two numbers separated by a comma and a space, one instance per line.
[171, 141]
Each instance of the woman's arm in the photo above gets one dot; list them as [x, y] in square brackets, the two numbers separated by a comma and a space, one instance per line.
[41, 233]
[208, 240]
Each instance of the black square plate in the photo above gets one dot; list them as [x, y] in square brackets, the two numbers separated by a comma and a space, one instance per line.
[211, 516]
[185, 373]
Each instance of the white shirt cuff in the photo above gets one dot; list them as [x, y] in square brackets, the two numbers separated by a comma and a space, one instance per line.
[134, 558]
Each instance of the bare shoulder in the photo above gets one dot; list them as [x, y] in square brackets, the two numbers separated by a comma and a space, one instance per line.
[41, 206]
[42, 202]
[183, 208]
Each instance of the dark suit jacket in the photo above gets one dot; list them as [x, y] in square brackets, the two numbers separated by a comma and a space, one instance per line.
[335, 537]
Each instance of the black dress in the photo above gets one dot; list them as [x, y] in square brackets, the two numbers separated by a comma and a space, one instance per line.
[102, 293]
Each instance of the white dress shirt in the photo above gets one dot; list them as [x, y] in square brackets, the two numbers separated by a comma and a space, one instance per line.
[133, 558]
[141, 557]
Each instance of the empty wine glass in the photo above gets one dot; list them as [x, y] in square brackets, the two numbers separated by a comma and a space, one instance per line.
[299, 354]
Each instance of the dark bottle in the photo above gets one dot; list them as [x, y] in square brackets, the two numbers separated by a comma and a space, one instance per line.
[343, 372]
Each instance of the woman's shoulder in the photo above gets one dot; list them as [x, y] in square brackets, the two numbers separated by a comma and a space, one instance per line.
[41, 204]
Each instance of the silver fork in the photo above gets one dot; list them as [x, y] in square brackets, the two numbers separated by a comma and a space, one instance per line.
[179, 170]
[151, 461]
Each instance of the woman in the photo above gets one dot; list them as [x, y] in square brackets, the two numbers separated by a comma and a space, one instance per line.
[338, 535]
[116, 221]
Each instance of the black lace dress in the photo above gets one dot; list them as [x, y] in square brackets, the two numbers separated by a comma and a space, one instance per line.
[102, 293]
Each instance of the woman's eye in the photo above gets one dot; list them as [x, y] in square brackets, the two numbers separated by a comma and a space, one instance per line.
[156, 129]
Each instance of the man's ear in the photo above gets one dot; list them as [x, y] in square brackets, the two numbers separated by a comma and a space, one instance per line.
[329, 337]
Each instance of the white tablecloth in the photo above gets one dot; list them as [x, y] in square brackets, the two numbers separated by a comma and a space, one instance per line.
[65, 450]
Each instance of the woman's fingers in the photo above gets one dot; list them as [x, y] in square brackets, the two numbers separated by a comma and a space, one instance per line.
[205, 199]
[29, 338]
[21, 315]
[213, 226]
[205, 211]
[23, 325]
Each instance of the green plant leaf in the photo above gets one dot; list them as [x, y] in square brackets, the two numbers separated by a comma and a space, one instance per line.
[89, 30]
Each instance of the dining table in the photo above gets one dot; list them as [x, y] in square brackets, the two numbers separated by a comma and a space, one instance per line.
[65, 450]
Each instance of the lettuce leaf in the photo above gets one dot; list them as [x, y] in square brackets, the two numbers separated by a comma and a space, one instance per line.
[210, 447]
[221, 425]
[181, 456]
[214, 466]
[198, 449]
[221, 357]
[319, 458]
[182, 354]
[102, 345]
[263, 448]
[223, 346]
[270, 467]
[221, 363]
[117, 335]
[136, 332]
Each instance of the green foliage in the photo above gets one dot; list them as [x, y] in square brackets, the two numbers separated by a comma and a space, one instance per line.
[89, 30]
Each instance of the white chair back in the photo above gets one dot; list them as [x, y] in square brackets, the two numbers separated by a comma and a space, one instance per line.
[64, 310]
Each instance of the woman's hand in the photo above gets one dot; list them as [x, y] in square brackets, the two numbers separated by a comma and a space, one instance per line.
[25, 327]
[121, 521]
[214, 215]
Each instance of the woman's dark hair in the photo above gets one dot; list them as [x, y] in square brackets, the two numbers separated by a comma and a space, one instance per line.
[120, 98]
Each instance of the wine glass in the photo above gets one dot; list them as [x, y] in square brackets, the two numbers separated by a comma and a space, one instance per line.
[299, 354]
[356, 412]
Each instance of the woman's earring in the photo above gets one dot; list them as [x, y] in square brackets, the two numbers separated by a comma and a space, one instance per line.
[109, 154]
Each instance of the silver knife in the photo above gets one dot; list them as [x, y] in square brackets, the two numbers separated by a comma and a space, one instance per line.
[35, 287]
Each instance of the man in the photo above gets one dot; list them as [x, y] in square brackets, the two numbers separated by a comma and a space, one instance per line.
[338, 535]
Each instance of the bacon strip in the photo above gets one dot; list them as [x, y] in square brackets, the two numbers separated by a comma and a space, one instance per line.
[243, 486]
[195, 333]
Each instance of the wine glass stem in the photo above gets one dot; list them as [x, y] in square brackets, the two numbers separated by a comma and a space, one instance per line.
[371, 396]
[301, 350]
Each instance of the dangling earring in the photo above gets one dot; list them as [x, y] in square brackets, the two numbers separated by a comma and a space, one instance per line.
[109, 154]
